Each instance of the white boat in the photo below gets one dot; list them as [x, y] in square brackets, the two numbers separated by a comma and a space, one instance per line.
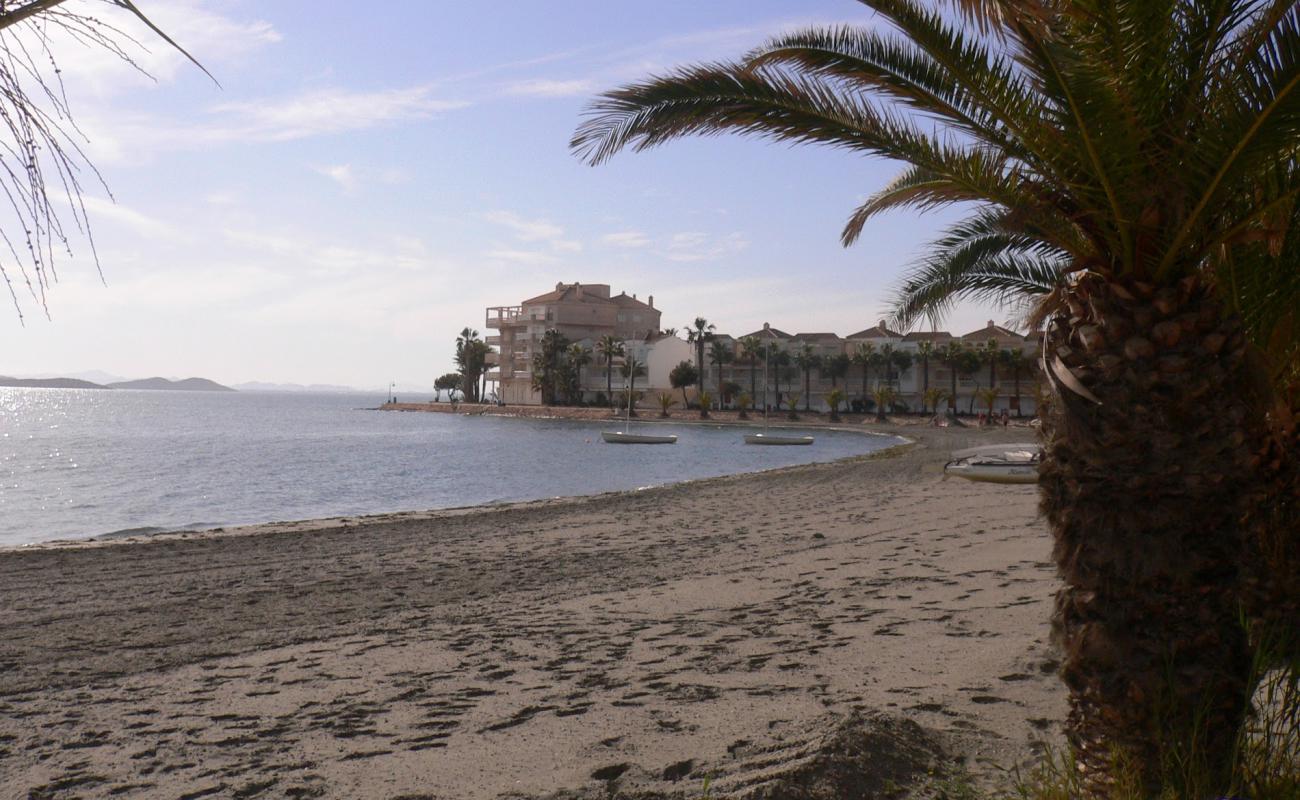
[997, 463]
[625, 436]
[769, 438]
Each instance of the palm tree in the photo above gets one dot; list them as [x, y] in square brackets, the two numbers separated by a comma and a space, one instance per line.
[1015, 361]
[610, 347]
[836, 367]
[990, 354]
[807, 360]
[902, 361]
[1132, 170]
[744, 402]
[720, 354]
[988, 397]
[666, 402]
[932, 397]
[699, 332]
[884, 395]
[631, 370]
[471, 360]
[579, 357]
[924, 350]
[751, 350]
[793, 402]
[863, 355]
[781, 360]
[834, 398]
[951, 355]
[705, 400]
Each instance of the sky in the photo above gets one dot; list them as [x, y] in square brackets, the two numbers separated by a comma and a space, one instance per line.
[368, 178]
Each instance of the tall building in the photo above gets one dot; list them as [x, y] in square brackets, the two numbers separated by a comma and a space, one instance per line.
[581, 312]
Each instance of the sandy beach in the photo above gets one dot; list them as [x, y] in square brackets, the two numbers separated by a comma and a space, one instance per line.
[759, 631]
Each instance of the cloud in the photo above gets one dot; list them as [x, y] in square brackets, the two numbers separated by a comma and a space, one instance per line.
[322, 111]
[542, 87]
[630, 239]
[340, 174]
[520, 256]
[696, 246]
[99, 208]
[525, 229]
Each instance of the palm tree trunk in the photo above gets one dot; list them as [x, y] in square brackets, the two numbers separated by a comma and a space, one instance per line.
[807, 390]
[753, 383]
[1144, 493]
[925, 378]
[1015, 375]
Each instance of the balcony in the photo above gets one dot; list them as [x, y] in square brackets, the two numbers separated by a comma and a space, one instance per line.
[499, 316]
[494, 340]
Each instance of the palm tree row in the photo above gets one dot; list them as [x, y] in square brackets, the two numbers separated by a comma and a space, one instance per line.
[1130, 176]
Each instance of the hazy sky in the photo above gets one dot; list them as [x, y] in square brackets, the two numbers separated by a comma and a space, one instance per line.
[370, 176]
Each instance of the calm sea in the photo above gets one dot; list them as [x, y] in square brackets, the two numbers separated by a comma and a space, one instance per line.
[76, 464]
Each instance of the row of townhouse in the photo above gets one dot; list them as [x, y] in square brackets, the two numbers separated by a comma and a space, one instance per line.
[584, 313]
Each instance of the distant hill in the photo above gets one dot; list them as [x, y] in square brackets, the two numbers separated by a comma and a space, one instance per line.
[187, 385]
[48, 383]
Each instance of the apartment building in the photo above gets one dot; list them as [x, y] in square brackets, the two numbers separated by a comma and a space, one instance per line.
[582, 313]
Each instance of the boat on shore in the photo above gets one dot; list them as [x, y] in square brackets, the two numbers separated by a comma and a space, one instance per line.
[997, 463]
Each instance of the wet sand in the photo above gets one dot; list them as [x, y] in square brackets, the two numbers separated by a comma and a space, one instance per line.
[629, 642]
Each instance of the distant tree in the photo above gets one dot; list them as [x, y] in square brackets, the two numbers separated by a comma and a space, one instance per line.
[610, 347]
[990, 354]
[864, 355]
[932, 397]
[744, 402]
[751, 350]
[836, 367]
[988, 397]
[884, 395]
[951, 356]
[577, 357]
[706, 400]
[631, 370]
[901, 361]
[446, 383]
[807, 360]
[1015, 361]
[968, 364]
[729, 391]
[923, 351]
[549, 364]
[666, 402]
[683, 375]
[700, 332]
[792, 403]
[781, 361]
[834, 399]
[719, 354]
[471, 360]
[669, 332]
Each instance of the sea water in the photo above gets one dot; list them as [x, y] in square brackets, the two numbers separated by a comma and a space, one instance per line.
[77, 464]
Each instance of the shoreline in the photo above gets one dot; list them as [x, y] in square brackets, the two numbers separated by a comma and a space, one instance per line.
[733, 627]
[322, 523]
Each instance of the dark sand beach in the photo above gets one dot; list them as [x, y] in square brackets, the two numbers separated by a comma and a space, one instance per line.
[744, 629]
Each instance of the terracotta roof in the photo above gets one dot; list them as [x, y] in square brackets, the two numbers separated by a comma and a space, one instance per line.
[991, 330]
[928, 336]
[623, 300]
[817, 337]
[876, 332]
[777, 332]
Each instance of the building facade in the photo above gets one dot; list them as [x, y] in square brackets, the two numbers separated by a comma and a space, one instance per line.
[582, 313]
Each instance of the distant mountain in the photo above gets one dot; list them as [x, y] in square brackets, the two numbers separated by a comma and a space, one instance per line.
[187, 385]
[262, 386]
[48, 383]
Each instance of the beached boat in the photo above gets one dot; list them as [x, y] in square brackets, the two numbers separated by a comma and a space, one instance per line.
[997, 463]
[770, 438]
[626, 436]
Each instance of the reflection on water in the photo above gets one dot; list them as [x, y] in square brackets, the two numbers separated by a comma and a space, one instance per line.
[77, 463]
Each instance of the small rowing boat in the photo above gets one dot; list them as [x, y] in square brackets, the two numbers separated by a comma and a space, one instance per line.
[768, 438]
[623, 437]
[997, 463]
